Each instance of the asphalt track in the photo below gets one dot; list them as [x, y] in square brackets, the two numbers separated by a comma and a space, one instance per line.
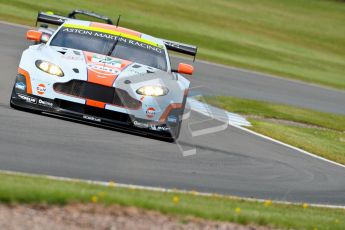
[210, 79]
[230, 162]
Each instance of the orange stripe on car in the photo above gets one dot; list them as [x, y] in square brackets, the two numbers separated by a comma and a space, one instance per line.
[99, 78]
[103, 70]
[168, 110]
[27, 79]
[97, 104]
[116, 28]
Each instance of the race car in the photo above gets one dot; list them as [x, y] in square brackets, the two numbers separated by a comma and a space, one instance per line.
[103, 74]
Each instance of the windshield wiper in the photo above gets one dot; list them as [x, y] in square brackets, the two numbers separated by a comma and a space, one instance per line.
[113, 47]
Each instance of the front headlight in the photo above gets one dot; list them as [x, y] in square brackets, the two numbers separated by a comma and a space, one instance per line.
[49, 68]
[153, 91]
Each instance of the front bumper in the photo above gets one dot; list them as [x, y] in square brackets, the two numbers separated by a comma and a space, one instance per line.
[92, 115]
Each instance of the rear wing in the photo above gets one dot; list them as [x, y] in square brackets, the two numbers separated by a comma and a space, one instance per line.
[181, 47]
[50, 18]
[91, 14]
[59, 20]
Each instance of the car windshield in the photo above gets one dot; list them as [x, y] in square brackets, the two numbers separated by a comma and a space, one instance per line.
[103, 43]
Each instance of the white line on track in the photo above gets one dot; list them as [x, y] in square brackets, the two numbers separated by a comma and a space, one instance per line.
[238, 121]
[290, 146]
[157, 189]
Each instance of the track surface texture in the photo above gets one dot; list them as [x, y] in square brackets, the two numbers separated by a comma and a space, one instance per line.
[230, 162]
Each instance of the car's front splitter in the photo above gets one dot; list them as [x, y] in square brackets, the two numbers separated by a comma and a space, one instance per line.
[90, 115]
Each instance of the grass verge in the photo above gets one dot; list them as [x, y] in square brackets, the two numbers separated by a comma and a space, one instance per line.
[37, 189]
[317, 132]
[299, 39]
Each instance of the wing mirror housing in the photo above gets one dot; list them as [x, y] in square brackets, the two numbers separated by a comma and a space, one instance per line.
[34, 35]
[184, 69]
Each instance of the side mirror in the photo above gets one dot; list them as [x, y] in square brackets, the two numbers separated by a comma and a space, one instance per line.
[185, 69]
[34, 35]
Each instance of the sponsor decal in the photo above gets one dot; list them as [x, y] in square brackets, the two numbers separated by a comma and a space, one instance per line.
[91, 118]
[172, 119]
[28, 99]
[159, 128]
[102, 69]
[154, 127]
[20, 86]
[150, 112]
[145, 46]
[122, 39]
[45, 103]
[106, 60]
[140, 124]
[41, 89]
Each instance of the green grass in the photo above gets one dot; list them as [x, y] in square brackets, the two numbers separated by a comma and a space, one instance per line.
[34, 190]
[299, 39]
[317, 132]
[325, 143]
[279, 111]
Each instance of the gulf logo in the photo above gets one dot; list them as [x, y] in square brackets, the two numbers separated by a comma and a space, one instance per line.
[41, 89]
[150, 112]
